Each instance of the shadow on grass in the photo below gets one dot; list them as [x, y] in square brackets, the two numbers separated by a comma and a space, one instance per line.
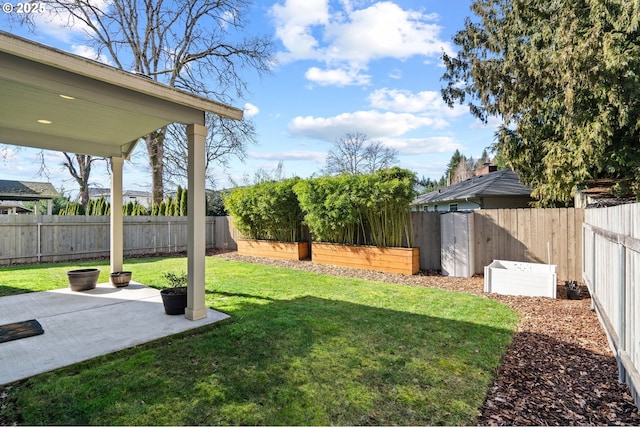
[303, 361]
[12, 290]
[238, 294]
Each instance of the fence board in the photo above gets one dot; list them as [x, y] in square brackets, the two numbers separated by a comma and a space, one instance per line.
[66, 238]
[426, 236]
[530, 235]
[611, 270]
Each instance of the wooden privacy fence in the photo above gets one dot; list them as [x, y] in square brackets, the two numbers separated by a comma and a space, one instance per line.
[528, 235]
[611, 271]
[29, 238]
[550, 236]
[426, 236]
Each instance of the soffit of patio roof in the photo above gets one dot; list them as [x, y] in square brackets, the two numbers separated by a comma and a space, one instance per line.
[110, 109]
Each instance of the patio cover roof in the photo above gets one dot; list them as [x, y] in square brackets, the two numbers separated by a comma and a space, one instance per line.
[57, 101]
[93, 108]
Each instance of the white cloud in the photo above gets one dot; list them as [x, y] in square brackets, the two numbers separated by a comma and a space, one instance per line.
[373, 123]
[383, 30]
[63, 26]
[337, 77]
[396, 74]
[90, 53]
[492, 122]
[416, 146]
[347, 38]
[295, 155]
[295, 20]
[407, 101]
[250, 110]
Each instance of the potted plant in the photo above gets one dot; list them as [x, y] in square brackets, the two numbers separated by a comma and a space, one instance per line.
[174, 298]
[83, 279]
[120, 279]
[572, 288]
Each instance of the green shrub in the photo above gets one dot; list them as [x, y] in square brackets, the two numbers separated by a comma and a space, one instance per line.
[266, 211]
[72, 208]
[371, 209]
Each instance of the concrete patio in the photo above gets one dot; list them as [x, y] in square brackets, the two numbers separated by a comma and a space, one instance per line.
[82, 325]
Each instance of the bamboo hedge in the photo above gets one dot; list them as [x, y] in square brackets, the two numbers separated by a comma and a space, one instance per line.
[266, 211]
[369, 209]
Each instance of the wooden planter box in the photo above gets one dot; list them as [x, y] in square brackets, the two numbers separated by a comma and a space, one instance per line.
[274, 250]
[390, 260]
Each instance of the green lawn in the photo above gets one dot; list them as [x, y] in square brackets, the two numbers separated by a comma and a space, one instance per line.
[299, 349]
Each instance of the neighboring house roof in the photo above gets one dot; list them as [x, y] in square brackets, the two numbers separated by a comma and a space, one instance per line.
[97, 192]
[26, 190]
[11, 204]
[599, 193]
[133, 193]
[494, 184]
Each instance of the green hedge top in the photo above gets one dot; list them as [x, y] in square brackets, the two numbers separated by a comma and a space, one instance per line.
[266, 211]
[372, 209]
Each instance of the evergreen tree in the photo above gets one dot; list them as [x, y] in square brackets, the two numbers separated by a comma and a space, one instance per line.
[564, 77]
[183, 203]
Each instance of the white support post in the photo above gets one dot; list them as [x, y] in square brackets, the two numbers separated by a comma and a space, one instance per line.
[116, 230]
[196, 308]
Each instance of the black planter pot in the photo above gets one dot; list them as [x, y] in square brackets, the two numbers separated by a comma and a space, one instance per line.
[572, 293]
[174, 300]
[83, 279]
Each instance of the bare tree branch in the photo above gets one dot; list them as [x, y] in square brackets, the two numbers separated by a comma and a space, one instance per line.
[354, 154]
[198, 46]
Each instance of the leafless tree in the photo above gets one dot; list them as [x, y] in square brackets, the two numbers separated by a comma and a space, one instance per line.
[354, 153]
[79, 166]
[226, 137]
[198, 46]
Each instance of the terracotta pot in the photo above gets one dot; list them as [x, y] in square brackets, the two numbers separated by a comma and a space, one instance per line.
[83, 279]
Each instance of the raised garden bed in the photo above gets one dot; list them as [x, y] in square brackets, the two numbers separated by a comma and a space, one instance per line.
[274, 250]
[390, 260]
[520, 278]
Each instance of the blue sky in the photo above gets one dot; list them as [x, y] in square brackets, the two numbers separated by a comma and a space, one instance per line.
[343, 66]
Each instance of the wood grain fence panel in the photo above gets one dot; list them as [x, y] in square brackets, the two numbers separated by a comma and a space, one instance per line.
[529, 235]
[67, 238]
[524, 231]
[518, 245]
[563, 245]
[517, 235]
[480, 239]
[503, 238]
[426, 236]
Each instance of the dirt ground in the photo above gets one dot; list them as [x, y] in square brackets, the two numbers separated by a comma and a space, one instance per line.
[559, 369]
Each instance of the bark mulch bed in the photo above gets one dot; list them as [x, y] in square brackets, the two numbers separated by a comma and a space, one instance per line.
[559, 369]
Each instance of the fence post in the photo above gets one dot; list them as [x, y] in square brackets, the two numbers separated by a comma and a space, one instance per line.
[593, 266]
[622, 344]
[39, 241]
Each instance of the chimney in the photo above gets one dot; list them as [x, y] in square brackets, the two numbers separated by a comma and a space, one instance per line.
[486, 168]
